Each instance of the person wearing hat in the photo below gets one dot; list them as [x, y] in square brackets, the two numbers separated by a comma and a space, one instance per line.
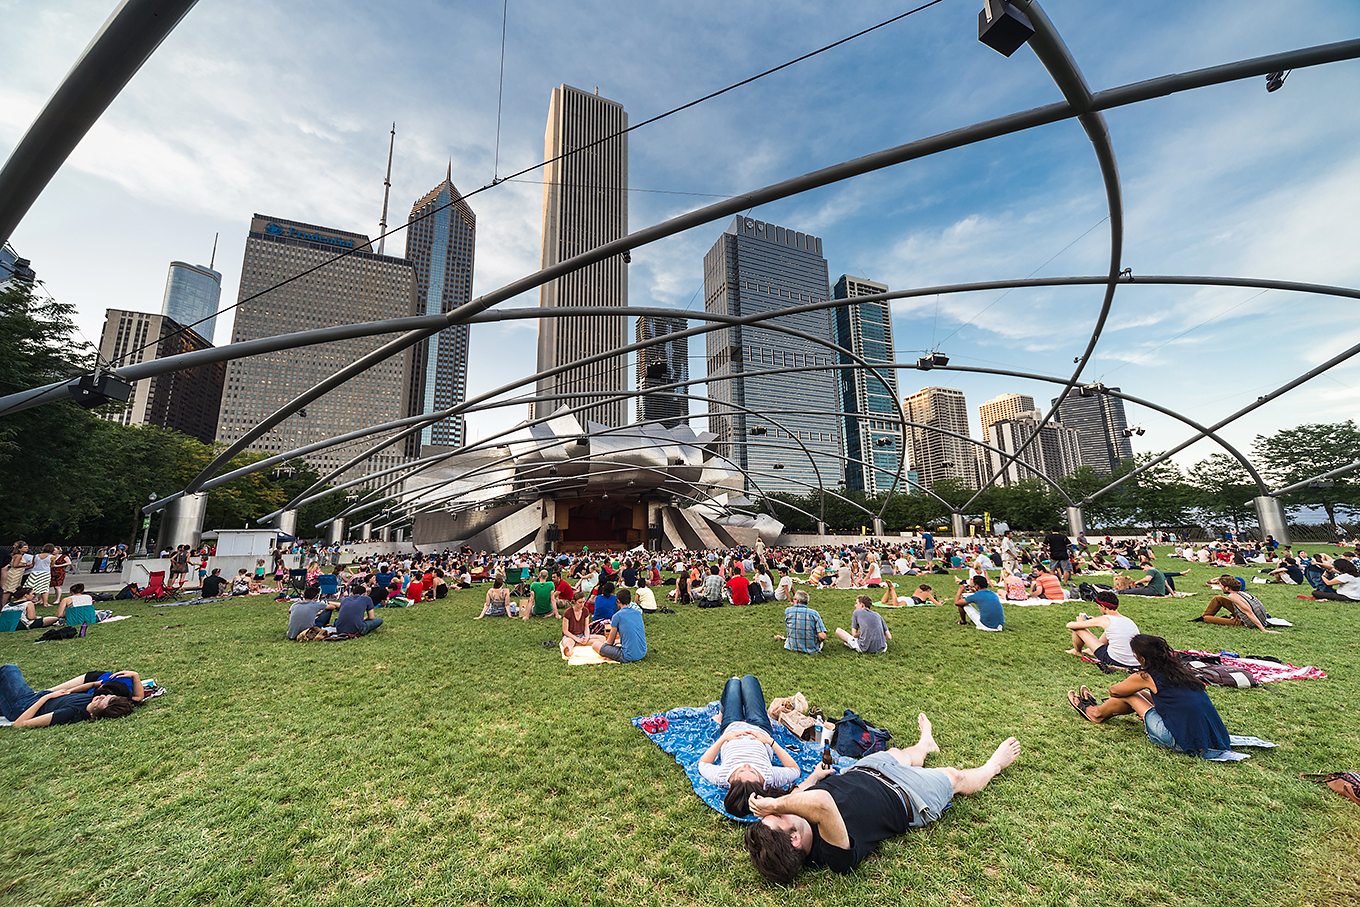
[1112, 647]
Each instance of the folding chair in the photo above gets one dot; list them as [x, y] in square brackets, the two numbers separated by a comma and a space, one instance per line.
[155, 587]
[329, 584]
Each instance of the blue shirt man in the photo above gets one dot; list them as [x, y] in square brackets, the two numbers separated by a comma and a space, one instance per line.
[806, 632]
[981, 607]
[627, 638]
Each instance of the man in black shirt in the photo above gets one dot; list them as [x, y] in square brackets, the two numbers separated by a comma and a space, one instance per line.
[837, 820]
[214, 584]
[1060, 552]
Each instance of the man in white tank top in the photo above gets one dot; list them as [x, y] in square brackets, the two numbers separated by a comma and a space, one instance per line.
[1112, 646]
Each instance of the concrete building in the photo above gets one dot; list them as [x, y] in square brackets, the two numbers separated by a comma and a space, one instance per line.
[754, 268]
[1006, 406]
[361, 286]
[1100, 423]
[663, 364]
[935, 456]
[1056, 452]
[186, 401]
[874, 441]
[192, 293]
[441, 239]
[585, 204]
[14, 269]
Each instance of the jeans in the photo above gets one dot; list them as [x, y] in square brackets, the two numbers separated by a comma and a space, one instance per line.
[370, 625]
[743, 700]
[15, 693]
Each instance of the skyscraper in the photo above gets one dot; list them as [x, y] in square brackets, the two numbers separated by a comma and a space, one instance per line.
[756, 267]
[1055, 453]
[186, 401]
[585, 204]
[937, 456]
[361, 286]
[440, 242]
[13, 269]
[1006, 406]
[663, 364]
[1100, 423]
[872, 435]
[191, 296]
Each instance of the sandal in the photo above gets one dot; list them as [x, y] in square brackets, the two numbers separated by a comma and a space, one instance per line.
[1079, 704]
[1084, 695]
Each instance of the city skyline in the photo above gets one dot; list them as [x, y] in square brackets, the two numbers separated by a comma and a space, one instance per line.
[192, 295]
[873, 446]
[897, 225]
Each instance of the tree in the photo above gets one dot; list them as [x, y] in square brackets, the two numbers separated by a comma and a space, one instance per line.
[1224, 489]
[1161, 494]
[1115, 508]
[1296, 454]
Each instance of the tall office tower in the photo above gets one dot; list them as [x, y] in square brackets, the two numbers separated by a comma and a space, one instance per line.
[755, 268]
[1006, 406]
[13, 269]
[1100, 422]
[874, 442]
[191, 296]
[934, 455]
[440, 241]
[186, 401]
[361, 286]
[663, 364]
[585, 204]
[1055, 453]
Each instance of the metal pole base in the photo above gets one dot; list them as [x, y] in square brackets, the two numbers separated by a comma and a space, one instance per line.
[1076, 522]
[1270, 514]
[335, 532]
[958, 526]
[182, 523]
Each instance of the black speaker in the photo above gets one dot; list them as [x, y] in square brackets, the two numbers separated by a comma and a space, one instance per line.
[554, 534]
[654, 533]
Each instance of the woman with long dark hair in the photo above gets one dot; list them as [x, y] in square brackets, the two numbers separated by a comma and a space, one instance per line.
[742, 758]
[1176, 712]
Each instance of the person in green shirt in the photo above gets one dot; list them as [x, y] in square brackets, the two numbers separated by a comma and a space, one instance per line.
[1152, 584]
[541, 598]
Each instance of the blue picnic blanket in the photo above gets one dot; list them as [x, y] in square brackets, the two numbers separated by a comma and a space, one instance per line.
[689, 734]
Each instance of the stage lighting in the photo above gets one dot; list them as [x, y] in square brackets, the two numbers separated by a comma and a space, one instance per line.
[96, 390]
[1275, 80]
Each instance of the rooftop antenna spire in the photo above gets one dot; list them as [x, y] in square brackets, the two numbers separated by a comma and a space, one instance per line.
[387, 188]
[213, 261]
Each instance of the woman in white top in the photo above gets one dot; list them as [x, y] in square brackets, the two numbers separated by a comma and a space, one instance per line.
[873, 578]
[742, 758]
[1112, 646]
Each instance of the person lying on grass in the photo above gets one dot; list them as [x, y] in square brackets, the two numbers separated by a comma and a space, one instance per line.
[1112, 646]
[741, 759]
[82, 698]
[1177, 714]
[868, 633]
[837, 820]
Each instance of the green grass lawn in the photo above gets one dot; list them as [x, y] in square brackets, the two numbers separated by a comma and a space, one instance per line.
[442, 761]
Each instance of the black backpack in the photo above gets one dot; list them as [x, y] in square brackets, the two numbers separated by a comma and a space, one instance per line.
[857, 738]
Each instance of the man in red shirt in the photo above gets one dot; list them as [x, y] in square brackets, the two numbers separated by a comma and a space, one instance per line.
[739, 588]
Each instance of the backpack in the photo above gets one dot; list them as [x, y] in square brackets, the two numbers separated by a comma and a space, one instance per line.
[1088, 591]
[856, 738]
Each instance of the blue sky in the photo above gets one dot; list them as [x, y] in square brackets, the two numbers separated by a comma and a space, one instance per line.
[284, 109]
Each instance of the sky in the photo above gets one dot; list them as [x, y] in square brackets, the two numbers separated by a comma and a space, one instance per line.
[285, 110]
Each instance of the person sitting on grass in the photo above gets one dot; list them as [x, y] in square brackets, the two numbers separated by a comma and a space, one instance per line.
[497, 600]
[1112, 646]
[980, 607]
[837, 821]
[1013, 585]
[804, 627]
[242, 584]
[214, 585]
[627, 638]
[76, 599]
[738, 587]
[1177, 714]
[645, 597]
[575, 624]
[1153, 583]
[82, 698]
[605, 603]
[355, 617]
[1243, 608]
[742, 758]
[784, 591]
[540, 601]
[1046, 585]
[24, 602]
[868, 633]
[303, 614]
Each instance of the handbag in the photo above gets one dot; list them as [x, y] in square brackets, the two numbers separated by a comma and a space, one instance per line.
[1347, 784]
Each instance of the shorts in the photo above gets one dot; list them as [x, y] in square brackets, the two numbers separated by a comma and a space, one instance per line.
[613, 653]
[1157, 731]
[1102, 655]
[929, 788]
[1064, 566]
[856, 643]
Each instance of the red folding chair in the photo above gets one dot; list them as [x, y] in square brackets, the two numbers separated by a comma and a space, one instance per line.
[155, 587]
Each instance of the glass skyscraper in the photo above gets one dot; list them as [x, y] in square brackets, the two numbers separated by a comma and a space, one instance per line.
[585, 204]
[755, 268]
[663, 364]
[191, 296]
[935, 455]
[874, 441]
[440, 242]
[1100, 422]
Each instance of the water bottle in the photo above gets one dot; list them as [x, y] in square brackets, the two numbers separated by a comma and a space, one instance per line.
[818, 725]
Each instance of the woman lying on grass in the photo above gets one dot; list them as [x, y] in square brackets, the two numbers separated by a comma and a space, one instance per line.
[741, 759]
[88, 697]
[1176, 712]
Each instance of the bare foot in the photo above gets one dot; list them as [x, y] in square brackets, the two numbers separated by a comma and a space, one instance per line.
[927, 734]
[1005, 754]
[1072, 652]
